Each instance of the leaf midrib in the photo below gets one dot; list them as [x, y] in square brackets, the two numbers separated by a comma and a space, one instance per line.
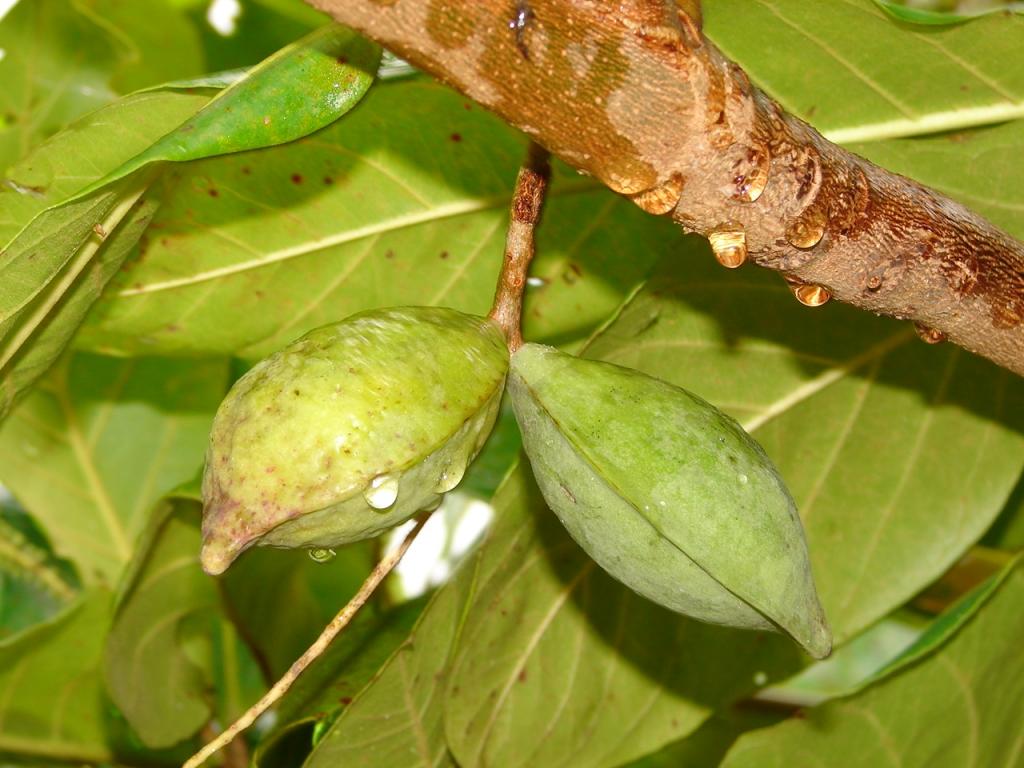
[440, 213]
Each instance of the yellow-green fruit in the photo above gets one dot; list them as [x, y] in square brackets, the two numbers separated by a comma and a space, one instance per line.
[667, 494]
[350, 430]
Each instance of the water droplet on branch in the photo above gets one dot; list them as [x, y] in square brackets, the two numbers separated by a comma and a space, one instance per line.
[808, 294]
[730, 247]
[929, 335]
[663, 198]
[807, 231]
[750, 175]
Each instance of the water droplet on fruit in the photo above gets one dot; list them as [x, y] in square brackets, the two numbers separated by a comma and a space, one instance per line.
[321, 555]
[744, 479]
[730, 247]
[382, 492]
[451, 476]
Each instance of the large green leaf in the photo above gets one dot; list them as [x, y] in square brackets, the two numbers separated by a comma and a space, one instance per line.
[100, 441]
[706, 746]
[899, 455]
[94, 145]
[172, 659]
[64, 58]
[403, 203]
[855, 74]
[899, 10]
[56, 67]
[48, 271]
[1008, 532]
[299, 593]
[160, 690]
[51, 692]
[959, 705]
[33, 585]
[293, 93]
[97, 143]
[329, 685]
[260, 28]
[155, 41]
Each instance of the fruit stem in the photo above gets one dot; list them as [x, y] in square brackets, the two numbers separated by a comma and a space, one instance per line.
[331, 631]
[527, 202]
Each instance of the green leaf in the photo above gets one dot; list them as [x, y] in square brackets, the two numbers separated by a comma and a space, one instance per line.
[925, 16]
[557, 664]
[978, 168]
[33, 584]
[45, 321]
[1008, 532]
[407, 694]
[160, 690]
[155, 41]
[262, 27]
[899, 455]
[973, 687]
[846, 68]
[405, 202]
[295, 92]
[297, 592]
[41, 328]
[939, 632]
[51, 694]
[329, 685]
[63, 59]
[56, 67]
[706, 746]
[171, 636]
[99, 442]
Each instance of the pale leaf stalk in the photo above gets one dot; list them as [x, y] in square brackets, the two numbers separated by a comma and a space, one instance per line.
[331, 631]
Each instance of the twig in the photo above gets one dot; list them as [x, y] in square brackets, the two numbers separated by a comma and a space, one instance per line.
[331, 631]
[527, 202]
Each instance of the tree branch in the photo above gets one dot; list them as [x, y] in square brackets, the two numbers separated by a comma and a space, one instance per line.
[632, 93]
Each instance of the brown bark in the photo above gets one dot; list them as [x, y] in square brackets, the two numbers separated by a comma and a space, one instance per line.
[632, 93]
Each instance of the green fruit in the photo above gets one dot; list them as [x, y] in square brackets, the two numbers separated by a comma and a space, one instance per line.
[667, 494]
[350, 430]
